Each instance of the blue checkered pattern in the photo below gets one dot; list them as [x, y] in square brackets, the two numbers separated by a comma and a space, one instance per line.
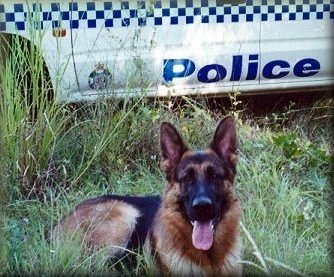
[20, 16]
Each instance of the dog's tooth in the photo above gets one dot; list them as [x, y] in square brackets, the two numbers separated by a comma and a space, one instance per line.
[211, 224]
[192, 223]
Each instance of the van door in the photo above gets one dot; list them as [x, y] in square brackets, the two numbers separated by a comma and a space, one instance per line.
[166, 47]
[216, 52]
[296, 44]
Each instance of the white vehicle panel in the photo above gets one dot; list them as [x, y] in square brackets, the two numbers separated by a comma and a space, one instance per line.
[159, 48]
[297, 42]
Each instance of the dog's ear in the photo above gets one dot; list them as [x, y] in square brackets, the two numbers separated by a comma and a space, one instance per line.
[172, 147]
[224, 142]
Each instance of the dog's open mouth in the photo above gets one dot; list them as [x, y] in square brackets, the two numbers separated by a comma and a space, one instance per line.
[202, 235]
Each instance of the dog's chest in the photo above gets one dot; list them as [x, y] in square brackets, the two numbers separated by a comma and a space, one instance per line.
[173, 254]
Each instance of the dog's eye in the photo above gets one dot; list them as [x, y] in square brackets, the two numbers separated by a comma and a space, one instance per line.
[188, 177]
[212, 174]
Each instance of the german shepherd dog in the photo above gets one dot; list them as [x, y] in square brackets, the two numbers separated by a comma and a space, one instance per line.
[193, 229]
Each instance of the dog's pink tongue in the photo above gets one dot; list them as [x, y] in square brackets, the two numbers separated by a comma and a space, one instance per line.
[202, 235]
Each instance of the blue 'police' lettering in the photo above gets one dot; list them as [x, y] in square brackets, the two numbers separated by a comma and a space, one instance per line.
[180, 68]
[252, 67]
[203, 73]
[236, 68]
[169, 69]
[269, 68]
[306, 67]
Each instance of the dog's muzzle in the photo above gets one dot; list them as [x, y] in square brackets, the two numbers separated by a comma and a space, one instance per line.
[203, 223]
[203, 209]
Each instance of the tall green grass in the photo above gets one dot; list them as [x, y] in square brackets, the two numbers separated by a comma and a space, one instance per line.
[286, 208]
[54, 156]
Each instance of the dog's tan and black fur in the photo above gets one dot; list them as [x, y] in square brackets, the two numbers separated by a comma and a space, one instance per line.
[192, 230]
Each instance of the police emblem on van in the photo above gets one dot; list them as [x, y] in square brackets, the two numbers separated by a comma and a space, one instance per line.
[100, 78]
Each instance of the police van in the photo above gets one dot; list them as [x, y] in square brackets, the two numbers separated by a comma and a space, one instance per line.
[102, 48]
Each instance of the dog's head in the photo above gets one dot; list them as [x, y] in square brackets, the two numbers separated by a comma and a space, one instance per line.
[202, 181]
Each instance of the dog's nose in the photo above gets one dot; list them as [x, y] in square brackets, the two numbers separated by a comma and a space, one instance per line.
[201, 201]
[202, 208]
